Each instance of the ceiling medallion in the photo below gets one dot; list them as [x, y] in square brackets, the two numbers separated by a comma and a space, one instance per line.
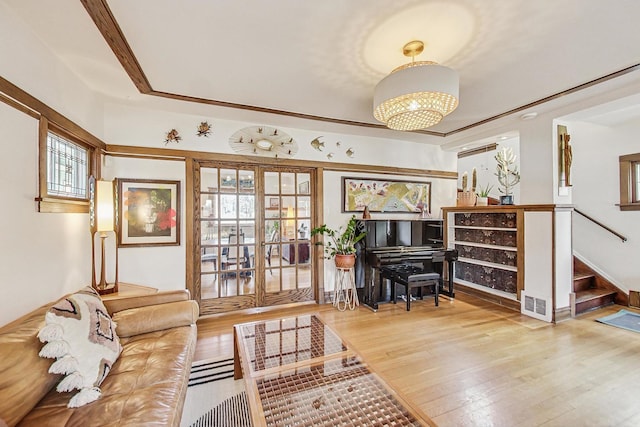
[263, 141]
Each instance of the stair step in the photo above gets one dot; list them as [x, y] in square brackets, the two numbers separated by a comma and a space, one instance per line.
[593, 293]
[593, 298]
[583, 282]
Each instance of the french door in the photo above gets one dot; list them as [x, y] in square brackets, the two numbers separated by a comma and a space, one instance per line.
[252, 245]
[286, 215]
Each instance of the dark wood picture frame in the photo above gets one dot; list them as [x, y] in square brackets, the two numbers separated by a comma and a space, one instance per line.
[148, 212]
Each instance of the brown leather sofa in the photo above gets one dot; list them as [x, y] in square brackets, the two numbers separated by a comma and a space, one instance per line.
[146, 386]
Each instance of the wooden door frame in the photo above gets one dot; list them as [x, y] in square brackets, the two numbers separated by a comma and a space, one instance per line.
[193, 231]
[295, 296]
[193, 273]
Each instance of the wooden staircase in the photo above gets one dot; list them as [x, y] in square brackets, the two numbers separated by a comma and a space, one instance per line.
[593, 291]
[588, 295]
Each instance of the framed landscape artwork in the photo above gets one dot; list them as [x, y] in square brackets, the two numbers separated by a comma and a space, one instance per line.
[381, 195]
[148, 212]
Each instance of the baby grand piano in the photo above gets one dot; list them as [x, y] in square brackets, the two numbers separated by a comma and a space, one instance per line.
[417, 243]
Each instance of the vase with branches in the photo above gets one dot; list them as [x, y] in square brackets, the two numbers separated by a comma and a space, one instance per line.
[507, 173]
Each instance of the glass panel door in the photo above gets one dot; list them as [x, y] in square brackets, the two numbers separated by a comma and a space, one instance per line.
[287, 223]
[253, 246]
[227, 238]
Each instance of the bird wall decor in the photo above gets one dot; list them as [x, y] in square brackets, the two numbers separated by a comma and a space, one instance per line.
[204, 129]
[172, 136]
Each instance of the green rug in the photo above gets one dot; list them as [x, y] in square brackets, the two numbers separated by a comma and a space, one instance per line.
[624, 319]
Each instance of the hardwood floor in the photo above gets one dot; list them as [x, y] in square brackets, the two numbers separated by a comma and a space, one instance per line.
[280, 276]
[472, 363]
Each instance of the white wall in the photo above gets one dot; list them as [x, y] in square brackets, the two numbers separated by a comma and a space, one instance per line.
[563, 257]
[147, 125]
[538, 272]
[485, 165]
[161, 267]
[596, 191]
[536, 161]
[136, 125]
[42, 256]
[30, 65]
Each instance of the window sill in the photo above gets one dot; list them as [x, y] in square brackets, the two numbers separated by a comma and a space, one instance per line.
[629, 206]
[52, 205]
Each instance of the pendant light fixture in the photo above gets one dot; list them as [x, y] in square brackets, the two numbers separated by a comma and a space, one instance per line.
[416, 95]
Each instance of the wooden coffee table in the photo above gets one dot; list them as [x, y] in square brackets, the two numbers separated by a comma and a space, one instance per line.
[297, 371]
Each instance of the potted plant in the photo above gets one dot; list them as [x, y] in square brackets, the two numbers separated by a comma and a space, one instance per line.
[341, 244]
[483, 195]
[468, 198]
[507, 173]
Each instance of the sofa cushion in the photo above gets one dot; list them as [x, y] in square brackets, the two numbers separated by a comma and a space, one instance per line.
[81, 336]
[24, 379]
[125, 303]
[146, 386]
[136, 321]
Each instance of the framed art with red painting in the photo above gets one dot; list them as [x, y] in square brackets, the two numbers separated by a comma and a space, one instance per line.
[148, 212]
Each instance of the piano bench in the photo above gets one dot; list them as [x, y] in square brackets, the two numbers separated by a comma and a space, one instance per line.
[416, 281]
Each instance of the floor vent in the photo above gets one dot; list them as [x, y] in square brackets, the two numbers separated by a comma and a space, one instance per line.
[536, 307]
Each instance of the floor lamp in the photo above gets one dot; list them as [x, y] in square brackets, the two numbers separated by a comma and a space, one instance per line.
[103, 224]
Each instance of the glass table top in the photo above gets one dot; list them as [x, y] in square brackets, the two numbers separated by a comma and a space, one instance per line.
[303, 374]
[337, 392]
[282, 342]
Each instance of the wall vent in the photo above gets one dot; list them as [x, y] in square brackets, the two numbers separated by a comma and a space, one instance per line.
[540, 308]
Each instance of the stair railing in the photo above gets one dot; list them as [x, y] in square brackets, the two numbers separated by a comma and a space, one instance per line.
[615, 233]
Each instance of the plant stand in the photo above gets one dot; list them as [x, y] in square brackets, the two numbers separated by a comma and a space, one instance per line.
[345, 294]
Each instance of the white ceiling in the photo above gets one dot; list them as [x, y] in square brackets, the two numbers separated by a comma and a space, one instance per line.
[324, 58]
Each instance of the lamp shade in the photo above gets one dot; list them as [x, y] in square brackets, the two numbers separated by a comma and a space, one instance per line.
[416, 96]
[104, 206]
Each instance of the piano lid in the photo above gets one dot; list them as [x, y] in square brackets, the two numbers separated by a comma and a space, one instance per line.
[397, 234]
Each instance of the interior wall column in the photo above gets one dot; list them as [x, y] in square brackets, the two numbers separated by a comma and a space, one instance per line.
[537, 161]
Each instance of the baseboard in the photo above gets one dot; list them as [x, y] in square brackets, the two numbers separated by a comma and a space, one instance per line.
[561, 314]
[496, 299]
[257, 310]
